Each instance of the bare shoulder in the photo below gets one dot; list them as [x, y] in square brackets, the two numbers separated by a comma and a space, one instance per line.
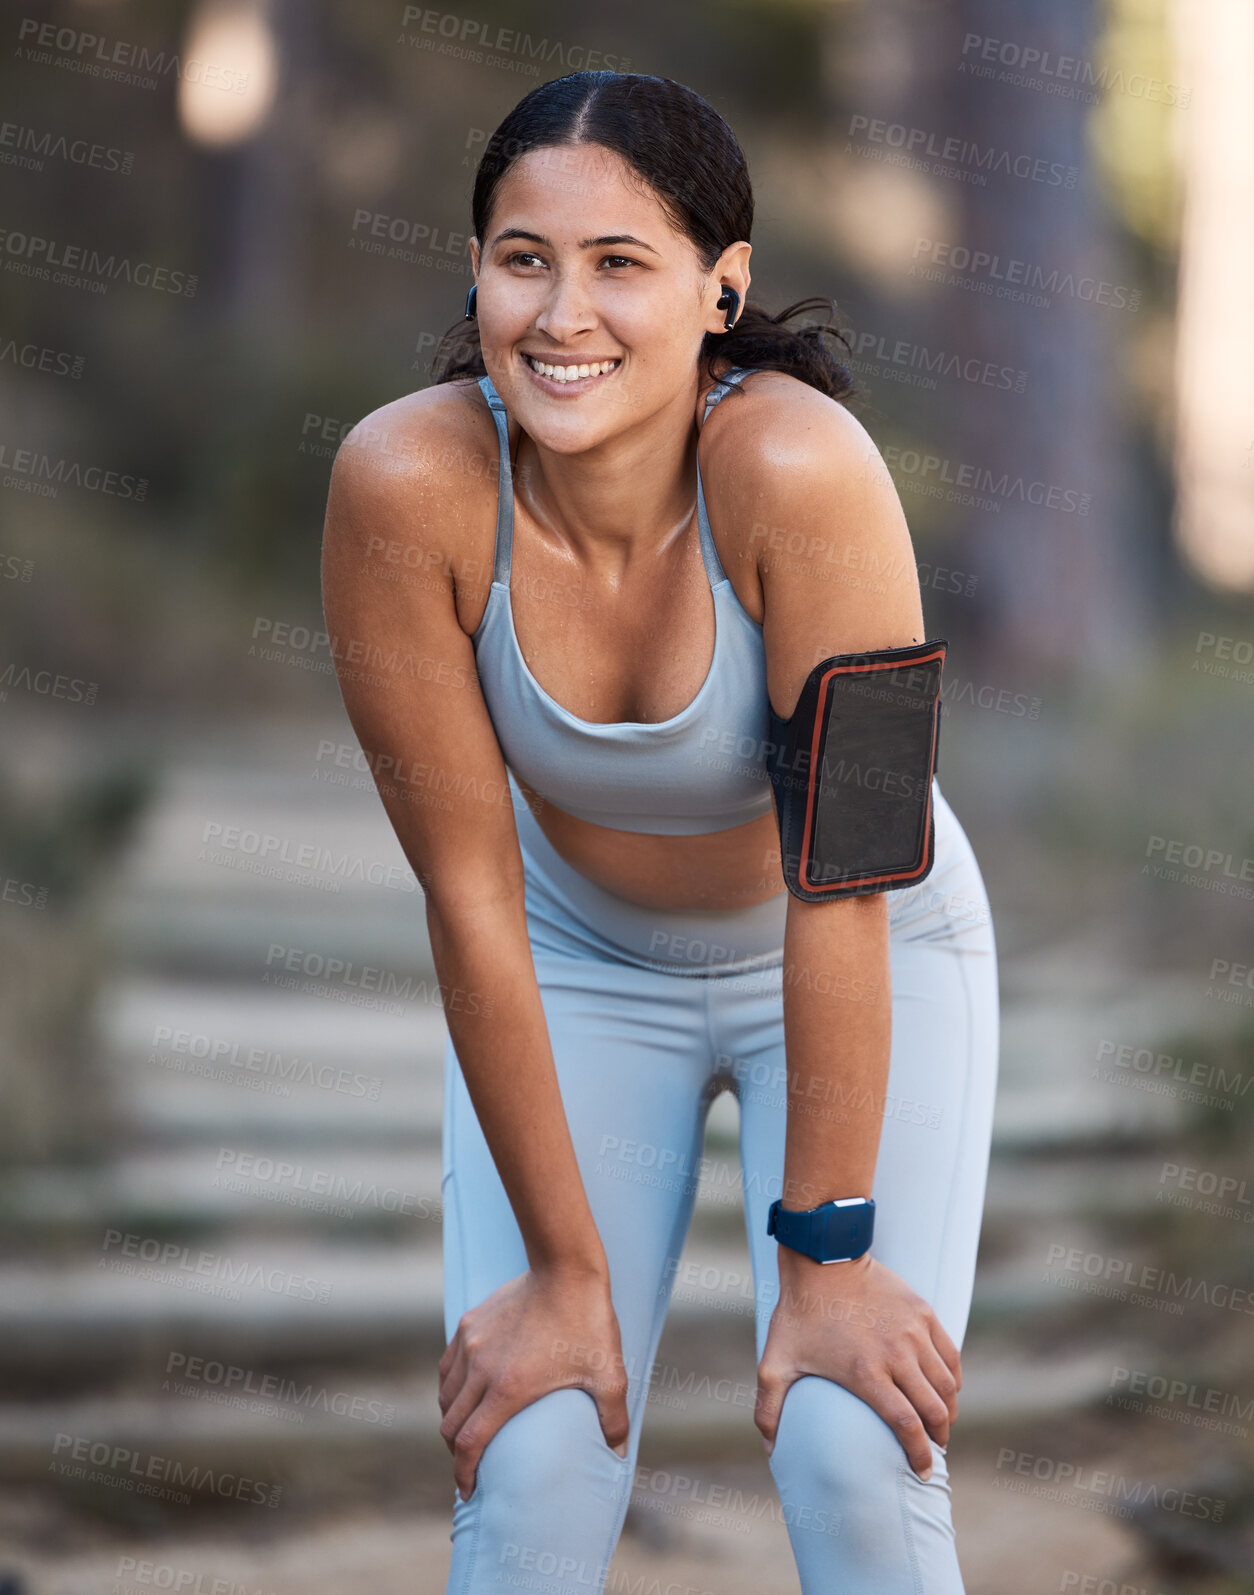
[783, 435]
[816, 540]
[408, 487]
[419, 444]
[412, 493]
[798, 489]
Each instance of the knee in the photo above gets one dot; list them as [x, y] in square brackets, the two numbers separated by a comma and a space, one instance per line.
[842, 1474]
[539, 1453]
[833, 1446]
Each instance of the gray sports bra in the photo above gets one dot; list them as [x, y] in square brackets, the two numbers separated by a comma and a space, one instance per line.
[704, 769]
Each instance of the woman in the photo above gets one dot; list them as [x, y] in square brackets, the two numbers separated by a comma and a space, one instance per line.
[611, 609]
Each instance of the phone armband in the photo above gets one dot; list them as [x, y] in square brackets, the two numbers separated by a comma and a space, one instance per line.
[852, 771]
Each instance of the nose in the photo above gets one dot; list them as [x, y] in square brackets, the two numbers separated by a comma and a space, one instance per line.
[567, 309]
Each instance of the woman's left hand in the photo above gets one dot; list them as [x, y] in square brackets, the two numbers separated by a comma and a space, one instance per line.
[860, 1325]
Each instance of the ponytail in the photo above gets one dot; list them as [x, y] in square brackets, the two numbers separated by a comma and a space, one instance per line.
[765, 343]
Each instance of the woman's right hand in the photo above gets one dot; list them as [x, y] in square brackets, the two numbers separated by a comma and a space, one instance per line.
[547, 1329]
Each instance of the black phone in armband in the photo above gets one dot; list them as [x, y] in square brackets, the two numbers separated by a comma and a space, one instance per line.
[852, 770]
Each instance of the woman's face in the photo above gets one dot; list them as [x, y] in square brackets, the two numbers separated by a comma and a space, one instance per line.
[581, 267]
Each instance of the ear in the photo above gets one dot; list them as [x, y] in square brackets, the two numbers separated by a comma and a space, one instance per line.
[474, 255]
[730, 270]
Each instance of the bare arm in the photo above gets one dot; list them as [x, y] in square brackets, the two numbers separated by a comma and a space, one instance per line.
[852, 587]
[817, 514]
[834, 494]
[409, 683]
[837, 1046]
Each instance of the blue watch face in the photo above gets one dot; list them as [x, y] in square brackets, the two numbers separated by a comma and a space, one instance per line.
[836, 1231]
[846, 1232]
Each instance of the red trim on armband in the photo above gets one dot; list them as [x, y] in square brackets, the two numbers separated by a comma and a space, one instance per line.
[819, 719]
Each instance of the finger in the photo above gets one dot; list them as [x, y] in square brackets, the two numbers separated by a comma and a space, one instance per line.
[926, 1401]
[608, 1388]
[453, 1376]
[936, 1371]
[472, 1438]
[466, 1456]
[944, 1344]
[467, 1449]
[901, 1417]
[450, 1352]
[468, 1398]
[773, 1386]
[616, 1425]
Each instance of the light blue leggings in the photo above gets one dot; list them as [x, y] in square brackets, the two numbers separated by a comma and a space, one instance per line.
[651, 1013]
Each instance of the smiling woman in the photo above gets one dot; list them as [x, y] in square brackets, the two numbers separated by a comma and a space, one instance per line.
[648, 590]
[630, 295]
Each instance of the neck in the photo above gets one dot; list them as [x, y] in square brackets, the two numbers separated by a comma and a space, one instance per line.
[620, 500]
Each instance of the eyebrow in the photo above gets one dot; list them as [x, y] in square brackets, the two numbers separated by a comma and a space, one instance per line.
[584, 243]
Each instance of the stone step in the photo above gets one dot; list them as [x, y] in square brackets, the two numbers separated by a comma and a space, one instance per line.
[232, 841]
[210, 1414]
[192, 1190]
[221, 1166]
[245, 941]
[230, 862]
[1047, 1268]
[317, 1174]
[1102, 1068]
[198, 1059]
[233, 1295]
[306, 1011]
[325, 1190]
[387, 1025]
[1066, 1185]
[349, 1296]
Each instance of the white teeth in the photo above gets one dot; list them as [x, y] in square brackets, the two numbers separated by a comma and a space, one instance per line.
[571, 373]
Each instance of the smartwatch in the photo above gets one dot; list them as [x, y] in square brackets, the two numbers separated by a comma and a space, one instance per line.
[832, 1232]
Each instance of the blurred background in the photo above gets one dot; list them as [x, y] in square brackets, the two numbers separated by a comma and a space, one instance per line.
[231, 230]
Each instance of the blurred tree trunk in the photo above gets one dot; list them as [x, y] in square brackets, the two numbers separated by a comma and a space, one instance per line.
[1066, 586]
[1060, 594]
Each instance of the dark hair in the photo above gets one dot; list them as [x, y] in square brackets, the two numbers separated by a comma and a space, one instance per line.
[684, 150]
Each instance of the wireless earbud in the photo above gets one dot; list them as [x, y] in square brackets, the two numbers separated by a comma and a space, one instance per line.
[729, 300]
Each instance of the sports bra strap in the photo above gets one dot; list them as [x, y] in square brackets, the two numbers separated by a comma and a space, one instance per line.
[504, 487]
[721, 388]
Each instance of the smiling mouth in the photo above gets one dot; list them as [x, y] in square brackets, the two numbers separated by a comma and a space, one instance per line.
[569, 374]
